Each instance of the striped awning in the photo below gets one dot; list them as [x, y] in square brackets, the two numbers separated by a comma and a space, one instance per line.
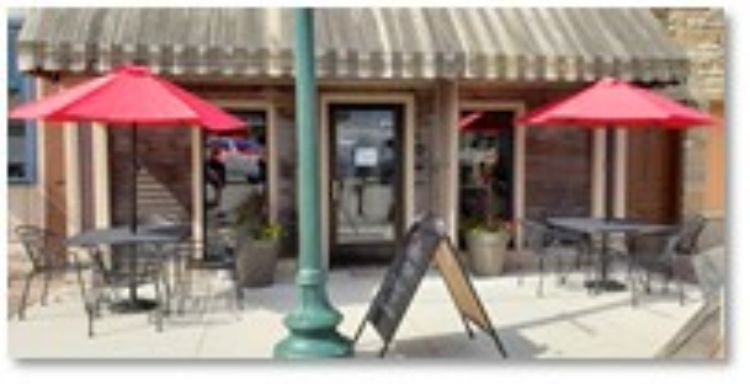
[515, 44]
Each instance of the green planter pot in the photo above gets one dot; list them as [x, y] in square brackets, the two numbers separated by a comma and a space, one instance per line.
[487, 251]
[256, 262]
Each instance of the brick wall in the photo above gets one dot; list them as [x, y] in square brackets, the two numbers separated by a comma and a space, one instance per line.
[702, 33]
[558, 169]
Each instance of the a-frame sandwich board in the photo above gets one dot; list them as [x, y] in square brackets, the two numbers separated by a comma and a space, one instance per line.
[424, 243]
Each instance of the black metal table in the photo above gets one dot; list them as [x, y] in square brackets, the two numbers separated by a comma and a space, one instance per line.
[124, 235]
[593, 227]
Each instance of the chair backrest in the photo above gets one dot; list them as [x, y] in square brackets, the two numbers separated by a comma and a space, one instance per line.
[689, 233]
[187, 251]
[32, 239]
[536, 235]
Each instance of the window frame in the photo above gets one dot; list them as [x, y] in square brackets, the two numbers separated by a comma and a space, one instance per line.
[24, 85]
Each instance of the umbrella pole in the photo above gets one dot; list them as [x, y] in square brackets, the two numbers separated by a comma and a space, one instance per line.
[134, 176]
[134, 213]
[610, 206]
[611, 169]
[605, 282]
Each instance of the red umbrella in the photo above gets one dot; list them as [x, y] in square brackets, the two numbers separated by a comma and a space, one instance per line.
[615, 102]
[130, 95]
[611, 102]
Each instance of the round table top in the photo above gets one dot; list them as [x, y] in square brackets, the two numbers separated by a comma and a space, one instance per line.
[601, 225]
[166, 233]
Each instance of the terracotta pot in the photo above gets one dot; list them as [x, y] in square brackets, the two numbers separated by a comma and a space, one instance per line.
[487, 251]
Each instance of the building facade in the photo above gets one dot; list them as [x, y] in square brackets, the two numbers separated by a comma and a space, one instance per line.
[416, 112]
[701, 33]
[24, 183]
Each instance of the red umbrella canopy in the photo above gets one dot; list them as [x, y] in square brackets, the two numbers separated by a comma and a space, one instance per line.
[616, 102]
[129, 95]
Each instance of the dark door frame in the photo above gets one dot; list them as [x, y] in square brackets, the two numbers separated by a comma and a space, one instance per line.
[398, 190]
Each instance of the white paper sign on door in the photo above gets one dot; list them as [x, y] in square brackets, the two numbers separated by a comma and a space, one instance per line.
[366, 157]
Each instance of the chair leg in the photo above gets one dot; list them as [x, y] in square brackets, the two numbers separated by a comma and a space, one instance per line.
[665, 284]
[81, 284]
[189, 287]
[561, 276]
[179, 285]
[680, 284]
[25, 295]
[240, 296]
[86, 306]
[183, 296]
[167, 292]
[45, 289]
[633, 278]
[159, 305]
[540, 287]
[91, 314]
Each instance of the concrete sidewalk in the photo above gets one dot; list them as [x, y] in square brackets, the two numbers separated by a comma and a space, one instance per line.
[567, 323]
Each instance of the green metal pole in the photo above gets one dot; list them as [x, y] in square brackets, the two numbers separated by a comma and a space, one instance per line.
[312, 324]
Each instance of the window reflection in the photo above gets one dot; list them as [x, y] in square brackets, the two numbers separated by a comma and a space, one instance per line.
[486, 166]
[235, 168]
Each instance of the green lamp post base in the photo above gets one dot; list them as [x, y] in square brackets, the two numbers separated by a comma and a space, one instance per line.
[312, 326]
[313, 345]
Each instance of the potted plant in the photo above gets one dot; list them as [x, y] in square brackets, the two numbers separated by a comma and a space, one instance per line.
[257, 243]
[488, 235]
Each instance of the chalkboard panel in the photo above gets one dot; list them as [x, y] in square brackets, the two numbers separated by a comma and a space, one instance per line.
[403, 277]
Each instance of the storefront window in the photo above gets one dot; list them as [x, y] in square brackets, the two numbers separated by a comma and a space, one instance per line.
[21, 140]
[235, 177]
[486, 167]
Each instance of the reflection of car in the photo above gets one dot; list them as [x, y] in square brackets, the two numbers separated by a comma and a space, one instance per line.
[240, 156]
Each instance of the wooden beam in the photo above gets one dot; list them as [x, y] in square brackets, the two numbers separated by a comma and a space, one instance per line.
[72, 176]
[100, 162]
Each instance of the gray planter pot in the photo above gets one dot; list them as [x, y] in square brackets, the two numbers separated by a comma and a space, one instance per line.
[256, 262]
[487, 251]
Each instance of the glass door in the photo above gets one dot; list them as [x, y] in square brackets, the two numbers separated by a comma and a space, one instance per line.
[365, 180]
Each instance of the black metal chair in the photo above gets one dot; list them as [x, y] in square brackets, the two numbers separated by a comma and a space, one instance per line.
[545, 242]
[188, 259]
[664, 253]
[48, 258]
[108, 280]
